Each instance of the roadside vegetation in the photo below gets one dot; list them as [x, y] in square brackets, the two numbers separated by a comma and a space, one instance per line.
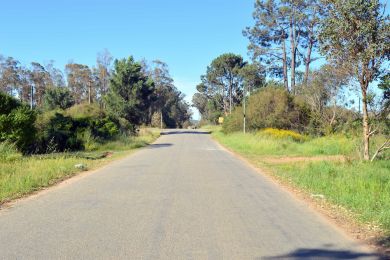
[323, 129]
[23, 174]
[329, 166]
[52, 128]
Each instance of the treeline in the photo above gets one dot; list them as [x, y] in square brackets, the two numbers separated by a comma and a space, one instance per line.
[281, 89]
[45, 110]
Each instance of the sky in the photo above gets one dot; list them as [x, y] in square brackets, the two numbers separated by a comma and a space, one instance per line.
[186, 34]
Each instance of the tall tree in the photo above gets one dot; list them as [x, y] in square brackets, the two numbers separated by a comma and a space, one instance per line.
[356, 34]
[80, 82]
[268, 38]
[284, 34]
[104, 60]
[130, 92]
[41, 80]
[224, 73]
[311, 21]
[10, 76]
[56, 75]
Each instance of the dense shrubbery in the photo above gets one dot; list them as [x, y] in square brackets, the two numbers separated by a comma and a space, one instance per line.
[77, 128]
[16, 123]
[271, 107]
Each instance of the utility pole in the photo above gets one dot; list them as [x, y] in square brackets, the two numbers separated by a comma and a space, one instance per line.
[244, 109]
[161, 120]
[32, 97]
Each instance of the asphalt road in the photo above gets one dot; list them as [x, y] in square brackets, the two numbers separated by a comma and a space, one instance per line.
[181, 198]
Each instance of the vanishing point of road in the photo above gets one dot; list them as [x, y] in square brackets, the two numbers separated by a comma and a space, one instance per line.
[183, 197]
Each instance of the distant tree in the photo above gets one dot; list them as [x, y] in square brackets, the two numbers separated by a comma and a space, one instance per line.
[56, 75]
[223, 75]
[384, 85]
[103, 71]
[356, 35]
[57, 97]
[41, 80]
[130, 92]
[10, 80]
[80, 82]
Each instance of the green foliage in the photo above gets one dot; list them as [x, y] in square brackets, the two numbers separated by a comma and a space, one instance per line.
[57, 98]
[57, 133]
[222, 87]
[85, 110]
[16, 123]
[271, 107]
[8, 103]
[130, 93]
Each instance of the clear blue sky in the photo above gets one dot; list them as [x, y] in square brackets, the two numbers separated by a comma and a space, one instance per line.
[186, 34]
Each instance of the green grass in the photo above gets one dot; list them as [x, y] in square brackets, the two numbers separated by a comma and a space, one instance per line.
[252, 144]
[361, 187]
[21, 175]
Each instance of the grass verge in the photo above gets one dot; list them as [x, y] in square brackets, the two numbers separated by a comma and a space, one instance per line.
[21, 175]
[362, 188]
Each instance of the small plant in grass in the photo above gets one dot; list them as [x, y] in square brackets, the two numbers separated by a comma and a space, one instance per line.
[8, 152]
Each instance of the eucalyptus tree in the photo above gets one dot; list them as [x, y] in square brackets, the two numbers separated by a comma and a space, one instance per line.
[41, 81]
[103, 71]
[356, 35]
[80, 82]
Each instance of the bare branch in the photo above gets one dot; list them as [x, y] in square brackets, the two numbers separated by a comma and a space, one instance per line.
[384, 146]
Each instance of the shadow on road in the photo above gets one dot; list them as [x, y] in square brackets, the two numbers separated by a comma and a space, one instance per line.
[320, 253]
[185, 132]
[160, 145]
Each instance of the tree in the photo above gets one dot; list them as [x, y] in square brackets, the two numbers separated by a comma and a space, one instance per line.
[223, 74]
[283, 25]
[57, 97]
[268, 38]
[10, 76]
[168, 101]
[356, 35]
[80, 82]
[104, 60]
[130, 92]
[41, 80]
[56, 75]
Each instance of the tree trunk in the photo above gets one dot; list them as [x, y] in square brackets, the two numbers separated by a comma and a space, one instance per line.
[307, 62]
[89, 93]
[293, 52]
[285, 79]
[366, 131]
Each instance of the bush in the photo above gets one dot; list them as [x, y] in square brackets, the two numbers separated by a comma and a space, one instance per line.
[16, 123]
[85, 110]
[234, 122]
[8, 103]
[274, 107]
[282, 134]
[57, 98]
[270, 107]
[57, 133]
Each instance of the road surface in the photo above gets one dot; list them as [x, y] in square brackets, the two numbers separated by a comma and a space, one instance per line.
[183, 197]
